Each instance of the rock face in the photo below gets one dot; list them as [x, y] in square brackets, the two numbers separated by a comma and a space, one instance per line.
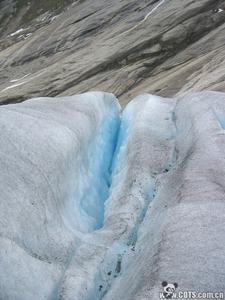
[98, 205]
[125, 47]
[15, 14]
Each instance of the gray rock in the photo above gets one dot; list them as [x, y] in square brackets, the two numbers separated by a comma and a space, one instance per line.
[114, 46]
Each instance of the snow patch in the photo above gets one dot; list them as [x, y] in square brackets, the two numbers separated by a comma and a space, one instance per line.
[145, 18]
[18, 79]
[23, 82]
[17, 32]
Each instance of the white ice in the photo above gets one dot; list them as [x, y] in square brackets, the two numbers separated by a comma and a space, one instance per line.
[55, 155]
[95, 205]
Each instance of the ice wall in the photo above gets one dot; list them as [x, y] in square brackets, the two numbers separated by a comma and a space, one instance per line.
[55, 156]
[181, 237]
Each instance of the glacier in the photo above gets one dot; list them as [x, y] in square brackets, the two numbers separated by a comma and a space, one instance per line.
[55, 160]
[99, 203]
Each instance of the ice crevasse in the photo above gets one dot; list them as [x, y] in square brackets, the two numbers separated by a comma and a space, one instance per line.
[99, 203]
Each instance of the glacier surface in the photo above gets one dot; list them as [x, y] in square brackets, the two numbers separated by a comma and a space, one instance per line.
[102, 204]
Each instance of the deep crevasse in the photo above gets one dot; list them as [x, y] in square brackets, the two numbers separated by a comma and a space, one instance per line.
[92, 174]
[99, 162]
[184, 224]
[144, 149]
[58, 155]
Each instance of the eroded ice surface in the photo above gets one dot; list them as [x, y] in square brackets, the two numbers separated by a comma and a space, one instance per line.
[55, 156]
[98, 205]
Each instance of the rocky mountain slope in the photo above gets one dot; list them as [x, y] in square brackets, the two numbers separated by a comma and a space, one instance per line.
[17, 13]
[125, 47]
